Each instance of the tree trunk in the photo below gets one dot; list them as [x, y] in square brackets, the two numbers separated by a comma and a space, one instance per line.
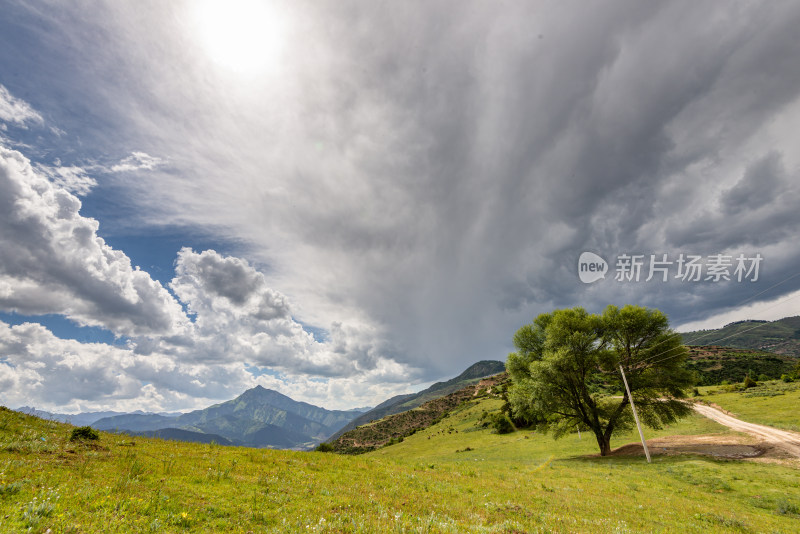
[604, 443]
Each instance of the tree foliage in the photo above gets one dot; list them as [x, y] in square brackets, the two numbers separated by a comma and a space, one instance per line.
[566, 371]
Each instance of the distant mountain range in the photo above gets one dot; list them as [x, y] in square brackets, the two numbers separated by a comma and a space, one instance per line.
[84, 418]
[258, 417]
[780, 337]
[402, 403]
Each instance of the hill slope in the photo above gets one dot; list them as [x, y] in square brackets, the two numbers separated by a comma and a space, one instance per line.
[179, 434]
[781, 336]
[393, 427]
[401, 403]
[714, 365]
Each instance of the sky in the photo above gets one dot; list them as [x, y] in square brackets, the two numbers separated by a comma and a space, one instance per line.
[345, 201]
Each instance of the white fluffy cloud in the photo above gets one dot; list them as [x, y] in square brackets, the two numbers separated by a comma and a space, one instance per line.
[37, 368]
[53, 261]
[237, 317]
[17, 111]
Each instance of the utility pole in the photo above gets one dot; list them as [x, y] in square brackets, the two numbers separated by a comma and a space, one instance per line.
[635, 415]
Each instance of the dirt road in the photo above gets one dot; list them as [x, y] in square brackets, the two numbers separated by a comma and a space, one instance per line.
[788, 441]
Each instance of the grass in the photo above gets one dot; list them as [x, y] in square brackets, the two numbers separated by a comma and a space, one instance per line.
[519, 482]
[773, 403]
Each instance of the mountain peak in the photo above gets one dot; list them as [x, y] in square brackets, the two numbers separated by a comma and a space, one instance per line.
[260, 392]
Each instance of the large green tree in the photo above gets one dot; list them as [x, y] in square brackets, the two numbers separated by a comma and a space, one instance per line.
[566, 371]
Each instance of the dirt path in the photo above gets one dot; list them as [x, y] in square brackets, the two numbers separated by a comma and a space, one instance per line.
[788, 441]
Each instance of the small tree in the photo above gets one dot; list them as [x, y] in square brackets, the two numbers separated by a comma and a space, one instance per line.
[566, 371]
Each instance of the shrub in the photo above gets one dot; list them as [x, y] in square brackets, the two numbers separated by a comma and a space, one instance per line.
[787, 507]
[749, 382]
[502, 424]
[787, 378]
[84, 433]
[324, 447]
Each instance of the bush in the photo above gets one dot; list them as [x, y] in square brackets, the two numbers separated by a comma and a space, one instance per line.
[502, 424]
[787, 378]
[84, 433]
[749, 382]
[324, 447]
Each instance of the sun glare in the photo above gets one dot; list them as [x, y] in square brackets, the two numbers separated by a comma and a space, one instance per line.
[245, 36]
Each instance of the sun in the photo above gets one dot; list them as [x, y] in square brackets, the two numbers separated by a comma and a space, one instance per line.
[244, 36]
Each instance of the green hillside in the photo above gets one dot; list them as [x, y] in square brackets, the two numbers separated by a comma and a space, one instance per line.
[715, 365]
[781, 336]
[398, 426]
[454, 476]
[401, 403]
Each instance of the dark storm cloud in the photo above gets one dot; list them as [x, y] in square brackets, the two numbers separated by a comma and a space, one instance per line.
[763, 182]
[464, 156]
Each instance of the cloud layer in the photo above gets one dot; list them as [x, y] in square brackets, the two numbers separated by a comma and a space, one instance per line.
[435, 175]
[410, 184]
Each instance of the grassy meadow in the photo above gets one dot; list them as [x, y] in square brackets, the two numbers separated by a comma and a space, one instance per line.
[452, 477]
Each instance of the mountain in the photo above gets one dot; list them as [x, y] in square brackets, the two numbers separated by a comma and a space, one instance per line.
[401, 403]
[258, 417]
[83, 418]
[781, 336]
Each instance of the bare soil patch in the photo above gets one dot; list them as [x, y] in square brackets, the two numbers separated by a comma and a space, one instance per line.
[733, 447]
